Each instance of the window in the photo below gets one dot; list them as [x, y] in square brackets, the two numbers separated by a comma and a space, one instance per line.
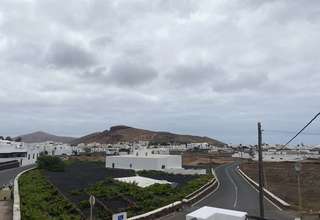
[163, 167]
[112, 165]
[33, 156]
[28, 156]
[130, 165]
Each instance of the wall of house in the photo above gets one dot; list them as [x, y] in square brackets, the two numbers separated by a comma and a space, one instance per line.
[143, 163]
[137, 163]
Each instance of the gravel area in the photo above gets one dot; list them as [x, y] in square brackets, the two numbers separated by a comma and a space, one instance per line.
[280, 178]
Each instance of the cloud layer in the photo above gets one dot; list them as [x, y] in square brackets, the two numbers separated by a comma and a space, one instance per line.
[211, 68]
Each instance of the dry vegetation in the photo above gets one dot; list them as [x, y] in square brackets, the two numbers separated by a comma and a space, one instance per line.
[196, 159]
[282, 180]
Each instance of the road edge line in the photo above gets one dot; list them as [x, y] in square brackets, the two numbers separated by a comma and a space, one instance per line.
[218, 182]
[281, 201]
[243, 175]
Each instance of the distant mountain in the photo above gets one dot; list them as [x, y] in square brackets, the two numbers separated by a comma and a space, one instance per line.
[41, 136]
[129, 134]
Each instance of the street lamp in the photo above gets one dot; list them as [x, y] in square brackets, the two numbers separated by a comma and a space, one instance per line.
[297, 168]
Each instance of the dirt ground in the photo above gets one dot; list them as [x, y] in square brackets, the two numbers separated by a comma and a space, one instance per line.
[281, 179]
[200, 159]
[89, 157]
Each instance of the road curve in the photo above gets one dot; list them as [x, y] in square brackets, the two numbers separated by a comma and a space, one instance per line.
[235, 193]
[7, 176]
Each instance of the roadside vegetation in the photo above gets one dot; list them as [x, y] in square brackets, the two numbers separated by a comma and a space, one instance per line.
[80, 179]
[50, 163]
[40, 200]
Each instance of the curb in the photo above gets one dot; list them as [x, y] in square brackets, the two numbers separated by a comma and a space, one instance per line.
[216, 182]
[16, 196]
[178, 204]
[267, 194]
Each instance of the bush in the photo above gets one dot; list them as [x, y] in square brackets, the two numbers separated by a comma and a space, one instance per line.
[41, 200]
[50, 163]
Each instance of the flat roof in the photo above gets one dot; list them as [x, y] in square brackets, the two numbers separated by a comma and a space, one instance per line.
[142, 181]
[11, 149]
[207, 212]
[143, 156]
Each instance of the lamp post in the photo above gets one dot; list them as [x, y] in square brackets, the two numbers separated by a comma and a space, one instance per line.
[297, 168]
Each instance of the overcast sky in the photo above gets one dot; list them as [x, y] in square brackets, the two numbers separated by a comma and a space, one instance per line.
[211, 68]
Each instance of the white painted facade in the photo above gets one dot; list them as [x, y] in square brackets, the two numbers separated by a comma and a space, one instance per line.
[243, 155]
[54, 149]
[27, 154]
[150, 162]
[10, 151]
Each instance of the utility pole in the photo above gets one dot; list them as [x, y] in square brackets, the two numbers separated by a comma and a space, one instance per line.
[297, 168]
[260, 165]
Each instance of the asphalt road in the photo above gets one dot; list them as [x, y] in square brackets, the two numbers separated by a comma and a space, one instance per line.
[7, 176]
[234, 193]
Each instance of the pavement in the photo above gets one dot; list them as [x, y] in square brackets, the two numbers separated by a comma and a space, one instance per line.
[234, 193]
[6, 178]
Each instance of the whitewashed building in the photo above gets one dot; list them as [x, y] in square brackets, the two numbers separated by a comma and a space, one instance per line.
[150, 159]
[144, 162]
[54, 149]
[17, 151]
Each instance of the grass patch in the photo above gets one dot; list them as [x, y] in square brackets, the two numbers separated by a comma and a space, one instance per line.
[40, 200]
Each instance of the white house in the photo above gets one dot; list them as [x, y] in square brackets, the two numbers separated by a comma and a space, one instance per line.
[144, 162]
[17, 151]
[151, 159]
[52, 148]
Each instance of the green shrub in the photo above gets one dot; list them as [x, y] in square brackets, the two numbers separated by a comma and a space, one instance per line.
[40, 200]
[84, 204]
[50, 163]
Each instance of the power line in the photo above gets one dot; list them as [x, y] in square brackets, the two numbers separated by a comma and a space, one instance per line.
[314, 118]
[289, 132]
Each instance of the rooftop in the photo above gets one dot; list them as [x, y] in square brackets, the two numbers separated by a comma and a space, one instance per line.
[154, 156]
[142, 181]
[207, 212]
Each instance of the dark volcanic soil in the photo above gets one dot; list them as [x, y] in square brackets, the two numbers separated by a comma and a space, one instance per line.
[80, 175]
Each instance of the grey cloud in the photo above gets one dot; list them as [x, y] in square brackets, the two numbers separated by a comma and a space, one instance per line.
[192, 64]
[97, 75]
[65, 55]
[131, 74]
[242, 82]
[193, 75]
[102, 41]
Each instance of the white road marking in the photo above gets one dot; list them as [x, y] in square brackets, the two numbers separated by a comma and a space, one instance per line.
[214, 173]
[235, 187]
[272, 203]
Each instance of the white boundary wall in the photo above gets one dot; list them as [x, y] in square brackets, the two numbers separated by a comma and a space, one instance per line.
[16, 196]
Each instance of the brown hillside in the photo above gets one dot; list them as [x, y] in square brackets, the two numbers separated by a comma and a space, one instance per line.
[129, 134]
